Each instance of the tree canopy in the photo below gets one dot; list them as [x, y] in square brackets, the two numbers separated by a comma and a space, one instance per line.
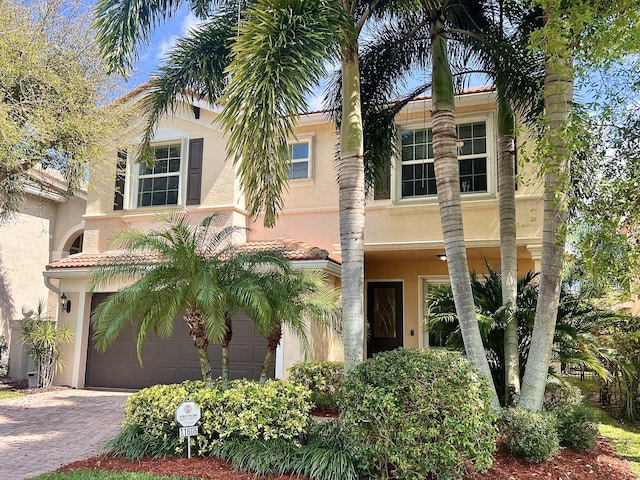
[54, 96]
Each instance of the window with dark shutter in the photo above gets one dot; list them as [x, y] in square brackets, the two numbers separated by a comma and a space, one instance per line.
[194, 173]
[118, 198]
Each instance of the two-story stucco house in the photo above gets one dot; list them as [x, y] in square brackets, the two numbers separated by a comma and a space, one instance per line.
[47, 227]
[403, 239]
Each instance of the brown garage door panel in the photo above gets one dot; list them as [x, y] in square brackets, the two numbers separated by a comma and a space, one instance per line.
[171, 360]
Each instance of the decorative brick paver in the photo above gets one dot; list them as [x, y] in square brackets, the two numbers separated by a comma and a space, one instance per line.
[41, 432]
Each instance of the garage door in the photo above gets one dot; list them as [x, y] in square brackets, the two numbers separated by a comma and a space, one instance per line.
[173, 359]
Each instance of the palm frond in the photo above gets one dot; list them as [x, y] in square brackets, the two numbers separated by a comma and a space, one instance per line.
[124, 24]
[278, 58]
[193, 69]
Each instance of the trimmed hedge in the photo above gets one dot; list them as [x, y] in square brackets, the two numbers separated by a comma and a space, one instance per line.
[410, 414]
[324, 379]
[279, 410]
[530, 435]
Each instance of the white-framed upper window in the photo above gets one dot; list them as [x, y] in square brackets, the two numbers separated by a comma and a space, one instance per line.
[160, 185]
[300, 159]
[417, 174]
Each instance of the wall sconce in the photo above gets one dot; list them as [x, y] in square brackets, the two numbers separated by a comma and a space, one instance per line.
[442, 257]
[65, 303]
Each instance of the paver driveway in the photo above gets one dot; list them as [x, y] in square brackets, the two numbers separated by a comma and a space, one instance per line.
[41, 432]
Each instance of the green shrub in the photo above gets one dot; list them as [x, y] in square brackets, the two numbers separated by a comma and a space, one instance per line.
[410, 414]
[324, 379]
[279, 410]
[530, 435]
[561, 395]
[576, 427]
[150, 428]
[320, 455]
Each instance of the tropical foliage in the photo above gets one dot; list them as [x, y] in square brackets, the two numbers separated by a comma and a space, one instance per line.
[53, 96]
[297, 299]
[43, 338]
[182, 268]
[576, 341]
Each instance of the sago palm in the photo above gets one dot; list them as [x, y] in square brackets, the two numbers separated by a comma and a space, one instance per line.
[296, 299]
[180, 268]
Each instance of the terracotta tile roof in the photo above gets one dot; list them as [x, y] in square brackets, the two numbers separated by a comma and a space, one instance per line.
[291, 249]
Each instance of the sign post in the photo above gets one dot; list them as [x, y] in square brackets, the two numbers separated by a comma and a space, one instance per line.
[188, 415]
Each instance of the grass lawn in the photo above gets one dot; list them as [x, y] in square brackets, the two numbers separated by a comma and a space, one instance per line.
[102, 474]
[623, 437]
[9, 394]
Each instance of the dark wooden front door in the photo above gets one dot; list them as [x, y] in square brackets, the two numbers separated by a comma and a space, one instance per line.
[384, 316]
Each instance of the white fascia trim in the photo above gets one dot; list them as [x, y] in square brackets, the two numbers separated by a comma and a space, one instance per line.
[434, 244]
[326, 265]
[79, 273]
[39, 192]
[313, 118]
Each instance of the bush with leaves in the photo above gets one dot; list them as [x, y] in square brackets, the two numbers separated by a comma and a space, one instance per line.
[530, 435]
[561, 395]
[323, 454]
[576, 427]
[43, 338]
[277, 410]
[4, 357]
[413, 414]
[324, 379]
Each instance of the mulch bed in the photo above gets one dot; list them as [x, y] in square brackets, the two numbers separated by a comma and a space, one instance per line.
[599, 464]
[22, 385]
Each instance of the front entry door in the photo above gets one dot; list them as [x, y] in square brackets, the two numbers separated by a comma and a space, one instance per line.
[384, 316]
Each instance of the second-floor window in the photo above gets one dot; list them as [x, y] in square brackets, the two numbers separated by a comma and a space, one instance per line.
[299, 153]
[417, 172]
[160, 184]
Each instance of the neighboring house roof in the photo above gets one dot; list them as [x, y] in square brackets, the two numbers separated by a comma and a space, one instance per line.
[291, 249]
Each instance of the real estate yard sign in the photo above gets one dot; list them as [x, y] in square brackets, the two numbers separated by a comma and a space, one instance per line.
[188, 415]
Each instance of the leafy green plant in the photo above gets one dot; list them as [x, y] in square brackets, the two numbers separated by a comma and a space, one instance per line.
[321, 455]
[43, 338]
[530, 435]
[277, 410]
[324, 379]
[411, 414]
[576, 427]
[561, 395]
[4, 357]
[574, 342]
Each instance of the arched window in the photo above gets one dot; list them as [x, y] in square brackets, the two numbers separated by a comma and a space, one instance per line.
[76, 246]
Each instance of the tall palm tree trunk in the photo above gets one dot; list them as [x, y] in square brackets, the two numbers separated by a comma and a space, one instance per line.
[508, 248]
[446, 167]
[351, 187]
[224, 343]
[558, 97]
[197, 331]
[272, 343]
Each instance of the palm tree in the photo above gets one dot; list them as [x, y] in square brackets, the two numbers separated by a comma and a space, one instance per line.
[280, 53]
[182, 267]
[558, 98]
[295, 299]
[574, 341]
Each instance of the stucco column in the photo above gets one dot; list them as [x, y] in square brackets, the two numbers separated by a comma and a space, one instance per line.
[81, 339]
[536, 256]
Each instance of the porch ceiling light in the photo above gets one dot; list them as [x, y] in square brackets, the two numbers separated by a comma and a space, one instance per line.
[442, 257]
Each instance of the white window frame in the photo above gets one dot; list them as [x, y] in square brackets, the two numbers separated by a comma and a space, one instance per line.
[423, 286]
[491, 155]
[163, 137]
[308, 139]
